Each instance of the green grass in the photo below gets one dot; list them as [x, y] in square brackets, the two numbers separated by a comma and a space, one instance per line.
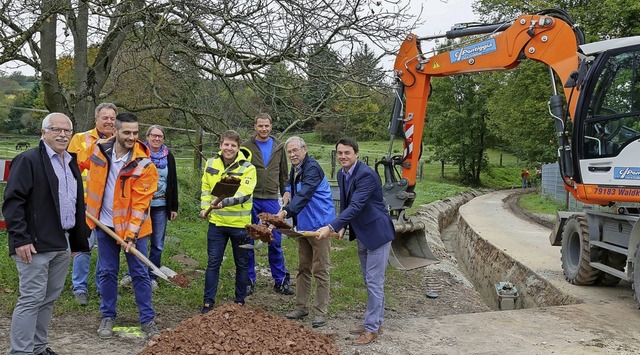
[538, 203]
[187, 235]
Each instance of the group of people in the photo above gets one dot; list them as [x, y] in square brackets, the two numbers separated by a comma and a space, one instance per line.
[74, 191]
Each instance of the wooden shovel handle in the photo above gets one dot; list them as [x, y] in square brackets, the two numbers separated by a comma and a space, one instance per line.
[315, 234]
[133, 250]
[215, 202]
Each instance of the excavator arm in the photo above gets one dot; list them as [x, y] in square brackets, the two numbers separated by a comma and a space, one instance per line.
[541, 37]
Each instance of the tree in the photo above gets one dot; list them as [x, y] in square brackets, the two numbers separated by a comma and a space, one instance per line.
[456, 125]
[204, 39]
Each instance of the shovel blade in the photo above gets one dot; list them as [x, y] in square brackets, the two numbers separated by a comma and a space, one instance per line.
[223, 189]
[252, 246]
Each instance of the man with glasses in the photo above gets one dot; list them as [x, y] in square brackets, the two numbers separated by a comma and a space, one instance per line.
[311, 207]
[105, 118]
[44, 211]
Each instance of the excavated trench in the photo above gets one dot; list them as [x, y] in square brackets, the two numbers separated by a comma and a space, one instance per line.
[465, 254]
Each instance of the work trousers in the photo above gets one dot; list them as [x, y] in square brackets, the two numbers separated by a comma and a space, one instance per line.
[109, 264]
[40, 284]
[80, 269]
[373, 263]
[276, 255]
[313, 255]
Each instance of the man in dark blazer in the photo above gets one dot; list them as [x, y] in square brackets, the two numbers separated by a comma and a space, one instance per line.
[362, 209]
[44, 210]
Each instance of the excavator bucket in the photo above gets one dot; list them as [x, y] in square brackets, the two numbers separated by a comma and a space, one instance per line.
[409, 249]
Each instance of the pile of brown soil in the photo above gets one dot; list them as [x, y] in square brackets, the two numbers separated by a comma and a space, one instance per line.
[235, 329]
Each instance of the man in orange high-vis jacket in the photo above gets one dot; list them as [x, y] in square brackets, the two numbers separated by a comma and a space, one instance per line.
[105, 118]
[120, 185]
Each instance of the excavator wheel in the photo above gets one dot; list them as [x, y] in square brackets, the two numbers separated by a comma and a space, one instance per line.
[576, 253]
[636, 276]
[614, 260]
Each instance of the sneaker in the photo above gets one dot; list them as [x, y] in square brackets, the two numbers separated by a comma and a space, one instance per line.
[105, 331]
[250, 287]
[318, 321]
[284, 289]
[126, 280]
[154, 285]
[47, 351]
[296, 314]
[150, 329]
[81, 298]
[206, 308]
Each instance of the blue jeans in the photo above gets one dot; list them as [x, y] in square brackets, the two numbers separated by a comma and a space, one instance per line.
[80, 269]
[276, 255]
[217, 238]
[156, 238]
[109, 264]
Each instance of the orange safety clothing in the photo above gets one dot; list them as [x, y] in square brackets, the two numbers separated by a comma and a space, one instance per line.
[135, 185]
[80, 141]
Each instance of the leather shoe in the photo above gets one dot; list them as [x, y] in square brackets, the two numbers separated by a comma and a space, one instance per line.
[365, 338]
[318, 321]
[360, 330]
[296, 314]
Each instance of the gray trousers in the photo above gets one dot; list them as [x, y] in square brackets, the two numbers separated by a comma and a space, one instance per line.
[373, 264]
[41, 283]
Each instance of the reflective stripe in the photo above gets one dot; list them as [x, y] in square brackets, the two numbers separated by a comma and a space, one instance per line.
[134, 228]
[93, 196]
[243, 213]
[119, 213]
[138, 214]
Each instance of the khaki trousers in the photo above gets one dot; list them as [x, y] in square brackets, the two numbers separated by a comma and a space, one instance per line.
[313, 255]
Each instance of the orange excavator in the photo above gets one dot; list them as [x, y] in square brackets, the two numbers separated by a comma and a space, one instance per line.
[595, 86]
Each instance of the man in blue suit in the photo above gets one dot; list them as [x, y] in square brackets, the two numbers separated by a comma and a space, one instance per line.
[362, 209]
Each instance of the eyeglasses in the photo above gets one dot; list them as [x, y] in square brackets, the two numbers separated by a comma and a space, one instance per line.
[58, 130]
[159, 136]
[294, 151]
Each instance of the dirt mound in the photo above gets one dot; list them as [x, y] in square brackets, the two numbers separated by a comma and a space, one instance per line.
[235, 329]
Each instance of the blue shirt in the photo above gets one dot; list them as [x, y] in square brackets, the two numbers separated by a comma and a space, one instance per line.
[265, 149]
[67, 187]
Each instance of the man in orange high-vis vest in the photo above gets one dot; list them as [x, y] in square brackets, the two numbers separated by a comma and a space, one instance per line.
[105, 118]
[120, 185]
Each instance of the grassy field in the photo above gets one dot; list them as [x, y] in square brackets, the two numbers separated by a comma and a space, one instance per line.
[187, 235]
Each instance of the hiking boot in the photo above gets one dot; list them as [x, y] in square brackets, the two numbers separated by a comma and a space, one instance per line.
[284, 289]
[296, 314]
[105, 331]
[150, 329]
[126, 281]
[81, 298]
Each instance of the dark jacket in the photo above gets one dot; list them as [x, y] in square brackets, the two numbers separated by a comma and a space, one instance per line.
[32, 208]
[362, 208]
[172, 185]
[273, 177]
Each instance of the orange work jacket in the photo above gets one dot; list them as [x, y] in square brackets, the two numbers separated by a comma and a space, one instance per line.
[135, 185]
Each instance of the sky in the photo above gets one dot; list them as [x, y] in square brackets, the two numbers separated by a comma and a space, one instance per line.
[438, 17]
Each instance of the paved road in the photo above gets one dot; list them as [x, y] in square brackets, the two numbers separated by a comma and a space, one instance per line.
[608, 322]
